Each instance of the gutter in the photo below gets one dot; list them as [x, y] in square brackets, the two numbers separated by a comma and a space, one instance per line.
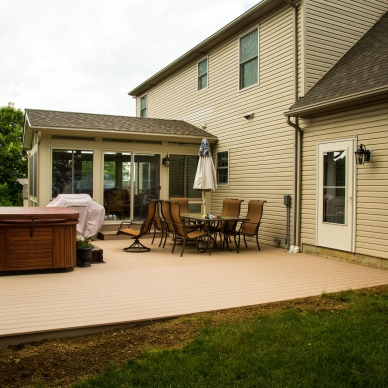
[337, 102]
[99, 132]
[296, 214]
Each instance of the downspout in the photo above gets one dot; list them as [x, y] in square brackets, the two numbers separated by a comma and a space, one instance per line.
[297, 186]
[297, 144]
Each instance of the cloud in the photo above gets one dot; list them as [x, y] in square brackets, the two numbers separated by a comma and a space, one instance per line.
[86, 55]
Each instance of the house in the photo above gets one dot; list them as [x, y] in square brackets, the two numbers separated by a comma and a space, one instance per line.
[346, 108]
[241, 88]
[239, 82]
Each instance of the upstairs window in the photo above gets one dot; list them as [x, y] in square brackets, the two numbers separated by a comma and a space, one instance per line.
[223, 168]
[202, 74]
[143, 106]
[249, 59]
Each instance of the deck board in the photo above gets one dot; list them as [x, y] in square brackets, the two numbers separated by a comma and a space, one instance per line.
[132, 287]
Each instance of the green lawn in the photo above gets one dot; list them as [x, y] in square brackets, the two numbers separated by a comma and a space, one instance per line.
[345, 348]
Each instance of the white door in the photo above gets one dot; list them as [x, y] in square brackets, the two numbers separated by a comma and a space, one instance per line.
[335, 195]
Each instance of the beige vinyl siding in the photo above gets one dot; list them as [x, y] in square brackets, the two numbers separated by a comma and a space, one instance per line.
[261, 149]
[332, 28]
[369, 127]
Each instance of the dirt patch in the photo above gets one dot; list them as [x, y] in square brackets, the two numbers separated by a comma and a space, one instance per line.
[60, 362]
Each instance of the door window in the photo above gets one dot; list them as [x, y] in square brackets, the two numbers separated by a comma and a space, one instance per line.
[334, 187]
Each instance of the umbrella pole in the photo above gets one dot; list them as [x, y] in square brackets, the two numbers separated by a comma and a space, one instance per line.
[203, 202]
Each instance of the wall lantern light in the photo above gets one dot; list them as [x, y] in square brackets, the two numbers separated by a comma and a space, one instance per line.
[166, 161]
[362, 154]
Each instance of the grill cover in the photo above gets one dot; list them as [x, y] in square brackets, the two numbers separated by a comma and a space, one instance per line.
[91, 214]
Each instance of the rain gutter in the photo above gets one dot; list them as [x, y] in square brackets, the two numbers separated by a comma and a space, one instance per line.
[296, 195]
[363, 97]
[121, 133]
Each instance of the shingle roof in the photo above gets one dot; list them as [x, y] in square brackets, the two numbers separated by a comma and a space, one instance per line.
[130, 125]
[362, 70]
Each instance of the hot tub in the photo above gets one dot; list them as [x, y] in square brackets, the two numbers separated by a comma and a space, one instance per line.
[34, 238]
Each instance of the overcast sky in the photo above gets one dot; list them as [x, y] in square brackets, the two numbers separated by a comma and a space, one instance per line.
[86, 55]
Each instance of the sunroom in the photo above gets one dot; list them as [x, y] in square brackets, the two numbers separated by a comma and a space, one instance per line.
[120, 161]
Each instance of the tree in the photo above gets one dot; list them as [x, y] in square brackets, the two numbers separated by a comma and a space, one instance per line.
[13, 158]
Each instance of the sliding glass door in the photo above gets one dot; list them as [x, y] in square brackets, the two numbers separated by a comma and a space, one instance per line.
[130, 180]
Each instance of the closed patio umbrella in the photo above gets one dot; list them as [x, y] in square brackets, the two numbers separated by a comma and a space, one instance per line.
[205, 177]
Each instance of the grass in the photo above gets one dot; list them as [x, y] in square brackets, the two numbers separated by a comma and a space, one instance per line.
[346, 348]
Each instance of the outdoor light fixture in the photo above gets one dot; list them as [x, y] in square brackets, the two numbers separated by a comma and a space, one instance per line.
[166, 161]
[362, 154]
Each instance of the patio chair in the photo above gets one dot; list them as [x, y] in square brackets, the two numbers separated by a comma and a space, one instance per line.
[234, 208]
[186, 233]
[218, 228]
[184, 206]
[183, 203]
[158, 223]
[167, 223]
[251, 226]
[136, 234]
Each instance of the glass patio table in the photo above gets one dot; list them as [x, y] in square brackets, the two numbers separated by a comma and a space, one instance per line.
[210, 223]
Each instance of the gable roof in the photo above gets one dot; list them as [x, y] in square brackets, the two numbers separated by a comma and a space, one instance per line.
[247, 18]
[136, 128]
[359, 77]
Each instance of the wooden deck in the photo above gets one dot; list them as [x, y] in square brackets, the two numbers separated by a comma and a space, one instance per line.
[133, 287]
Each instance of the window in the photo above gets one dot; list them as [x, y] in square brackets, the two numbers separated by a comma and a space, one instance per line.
[143, 106]
[33, 173]
[72, 172]
[202, 74]
[249, 59]
[223, 168]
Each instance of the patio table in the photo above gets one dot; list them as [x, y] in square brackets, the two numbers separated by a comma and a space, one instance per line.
[197, 217]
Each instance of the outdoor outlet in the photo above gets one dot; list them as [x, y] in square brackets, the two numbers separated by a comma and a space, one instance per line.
[277, 241]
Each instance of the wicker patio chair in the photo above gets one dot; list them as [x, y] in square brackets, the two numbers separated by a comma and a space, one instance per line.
[136, 234]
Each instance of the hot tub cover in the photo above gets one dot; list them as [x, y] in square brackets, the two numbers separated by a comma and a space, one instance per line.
[91, 214]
